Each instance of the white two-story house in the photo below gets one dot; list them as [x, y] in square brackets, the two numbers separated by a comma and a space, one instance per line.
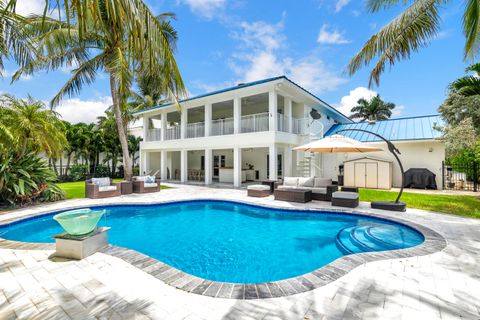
[239, 134]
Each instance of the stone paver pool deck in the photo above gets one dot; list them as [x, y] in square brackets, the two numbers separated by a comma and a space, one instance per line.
[440, 285]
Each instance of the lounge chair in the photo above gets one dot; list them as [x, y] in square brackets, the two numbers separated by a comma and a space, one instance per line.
[145, 184]
[97, 188]
[322, 188]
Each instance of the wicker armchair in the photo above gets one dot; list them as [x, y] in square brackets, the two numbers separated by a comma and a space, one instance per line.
[97, 188]
[140, 186]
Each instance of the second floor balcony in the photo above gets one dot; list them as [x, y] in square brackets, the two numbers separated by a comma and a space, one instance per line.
[248, 124]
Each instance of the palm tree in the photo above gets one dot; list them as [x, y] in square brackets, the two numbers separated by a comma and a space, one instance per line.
[468, 85]
[112, 36]
[33, 125]
[375, 109]
[411, 30]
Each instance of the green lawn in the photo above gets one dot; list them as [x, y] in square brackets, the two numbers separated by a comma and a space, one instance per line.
[460, 205]
[76, 190]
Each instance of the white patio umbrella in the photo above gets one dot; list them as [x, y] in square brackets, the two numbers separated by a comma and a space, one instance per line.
[336, 143]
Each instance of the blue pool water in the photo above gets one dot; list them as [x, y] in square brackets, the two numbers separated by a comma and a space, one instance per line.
[233, 242]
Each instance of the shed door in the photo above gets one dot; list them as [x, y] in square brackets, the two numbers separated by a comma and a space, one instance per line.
[360, 173]
[371, 175]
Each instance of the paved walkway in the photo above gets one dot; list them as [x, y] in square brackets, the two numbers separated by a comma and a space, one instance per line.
[443, 285]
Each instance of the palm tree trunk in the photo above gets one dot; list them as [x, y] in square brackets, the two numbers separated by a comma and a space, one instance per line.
[122, 135]
[67, 167]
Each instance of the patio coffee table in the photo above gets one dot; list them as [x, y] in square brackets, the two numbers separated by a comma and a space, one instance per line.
[293, 195]
[271, 183]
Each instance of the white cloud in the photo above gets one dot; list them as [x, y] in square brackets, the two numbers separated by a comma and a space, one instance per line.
[340, 4]
[28, 7]
[331, 37]
[348, 102]
[263, 53]
[205, 8]
[398, 111]
[76, 110]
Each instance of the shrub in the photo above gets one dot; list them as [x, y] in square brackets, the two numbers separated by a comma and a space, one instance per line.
[79, 172]
[102, 171]
[52, 193]
[136, 171]
[24, 180]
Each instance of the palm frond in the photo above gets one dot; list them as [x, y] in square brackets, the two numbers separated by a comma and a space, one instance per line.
[84, 74]
[471, 28]
[408, 32]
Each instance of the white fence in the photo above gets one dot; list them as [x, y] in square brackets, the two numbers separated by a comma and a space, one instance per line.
[254, 123]
[222, 127]
[195, 130]
[154, 135]
[300, 126]
[172, 133]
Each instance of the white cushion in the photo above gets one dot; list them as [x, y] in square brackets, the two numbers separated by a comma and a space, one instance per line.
[306, 182]
[150, 185]
[319, 190]
[259, 187]
[101, 182]
[322, 182]
[345, 195]
[107, 188]
[142, 178]
[290, 182]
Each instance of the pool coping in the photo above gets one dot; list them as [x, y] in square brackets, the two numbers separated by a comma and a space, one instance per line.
[434, 242]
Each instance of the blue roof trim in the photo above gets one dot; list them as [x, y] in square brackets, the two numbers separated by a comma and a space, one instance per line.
[399, 129]
[249, 84]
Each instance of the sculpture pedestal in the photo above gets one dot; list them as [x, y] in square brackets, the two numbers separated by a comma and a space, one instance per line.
[79, 247]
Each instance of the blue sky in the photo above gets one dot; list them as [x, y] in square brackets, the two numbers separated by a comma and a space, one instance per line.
[224, 42]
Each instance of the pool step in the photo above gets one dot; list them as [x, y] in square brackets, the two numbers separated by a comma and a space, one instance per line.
[359, 239]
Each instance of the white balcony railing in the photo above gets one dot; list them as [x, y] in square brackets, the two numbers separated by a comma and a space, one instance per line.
[172, 133]
[254, 123]
[300, 126]
[222, 127]
[195, 130]
[282, 123]
[154, 135]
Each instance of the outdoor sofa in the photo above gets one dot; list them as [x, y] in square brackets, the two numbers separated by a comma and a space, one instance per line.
[146, 184]
[97, 188]
[322, 188]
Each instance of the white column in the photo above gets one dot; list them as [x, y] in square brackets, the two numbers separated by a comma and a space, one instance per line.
[288, 114]
[163, 129]
[142, 162]
[183, 166]
[145, 128]
[272, 110]
[237, 115]
[272, 155]
[237, 167]
[163, 165]
[208, 166]
[183, 123]
[208, 119]
[287, 161]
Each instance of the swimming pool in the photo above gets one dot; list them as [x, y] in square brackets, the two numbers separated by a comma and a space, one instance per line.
[234, 242]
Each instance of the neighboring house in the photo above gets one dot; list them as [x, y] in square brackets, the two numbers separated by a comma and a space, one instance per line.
[237, 134]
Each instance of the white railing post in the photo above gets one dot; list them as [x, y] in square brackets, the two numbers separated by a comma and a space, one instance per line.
[163, 126]
[237, 115]
[272, 109]
[288, 113]
[208, 119]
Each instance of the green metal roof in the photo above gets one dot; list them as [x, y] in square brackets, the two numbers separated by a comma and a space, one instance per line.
[410, 128]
